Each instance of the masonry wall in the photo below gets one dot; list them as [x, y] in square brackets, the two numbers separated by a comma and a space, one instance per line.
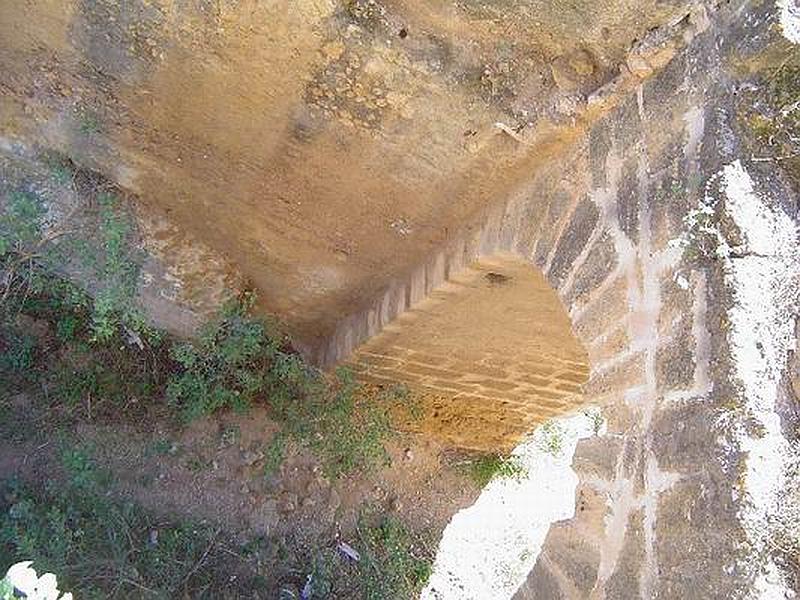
[661, 504]
[662, 496]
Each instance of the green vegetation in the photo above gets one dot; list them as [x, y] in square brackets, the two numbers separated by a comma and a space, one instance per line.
[224, 368]
[236, 360]
[18, 352]
[345, 429]
[108, 356]
[78, 356]
[596, 419]
[33, 251]
[20, 246]
[783, 527]
[274, 454]
[550, 438]
[771, 111]
[88, 122]
[393, 563]
[114, 307]
[484, 468]
[103, 548]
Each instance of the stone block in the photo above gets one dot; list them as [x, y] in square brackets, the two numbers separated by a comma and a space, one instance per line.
[541, 584]
[417, 369]
[698, 540]
[684, 437]
[620, 416]
[614, 344]
[571, 376]
[591, 511]
[626, 125]
[676, 302]
[533, 380]
[597, 456]
[599, 147]
[572, 241]
[624, 374]
[576, 557]
[476, 369]
[598, 266]
[623, 583]
[675, 359]
[378, 360]
[496, 385]
[663, 95]
[535, 369]
[604, 313]
[628, 199]
[453, 386]
[560, 202]
[427, 358]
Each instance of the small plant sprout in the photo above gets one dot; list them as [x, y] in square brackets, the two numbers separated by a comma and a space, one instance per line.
[550, 438]
[596, 419]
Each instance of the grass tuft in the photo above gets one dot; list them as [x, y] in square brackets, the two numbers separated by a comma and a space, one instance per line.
[484, 468]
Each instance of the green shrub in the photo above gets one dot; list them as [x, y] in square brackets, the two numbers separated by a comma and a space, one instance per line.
[550, 438]
[31, 255]
[224, 368]
[21, 223]
[17, 351]
[274, 454]
[114, 307]
[235, 360]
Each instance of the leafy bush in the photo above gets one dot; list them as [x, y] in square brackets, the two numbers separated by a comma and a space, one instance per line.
[550, 437]
[20, 236]
[113, 303]
[225, 367]
[32, 252]
[235, 360]
[16, 352]
[20, 223]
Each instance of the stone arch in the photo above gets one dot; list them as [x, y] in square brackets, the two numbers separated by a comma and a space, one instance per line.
[661, 508]
[598, 229]
[595, 229]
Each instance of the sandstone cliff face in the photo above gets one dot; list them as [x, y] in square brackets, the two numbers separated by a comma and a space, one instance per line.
[324, 148]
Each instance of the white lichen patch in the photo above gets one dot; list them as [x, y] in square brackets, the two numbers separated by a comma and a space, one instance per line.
[488, 549]
[789, 15]
[764, 276]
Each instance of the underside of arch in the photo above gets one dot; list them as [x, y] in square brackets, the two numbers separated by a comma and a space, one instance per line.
[491, 351]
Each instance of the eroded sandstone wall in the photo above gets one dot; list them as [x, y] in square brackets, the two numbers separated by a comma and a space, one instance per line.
[325, 148]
